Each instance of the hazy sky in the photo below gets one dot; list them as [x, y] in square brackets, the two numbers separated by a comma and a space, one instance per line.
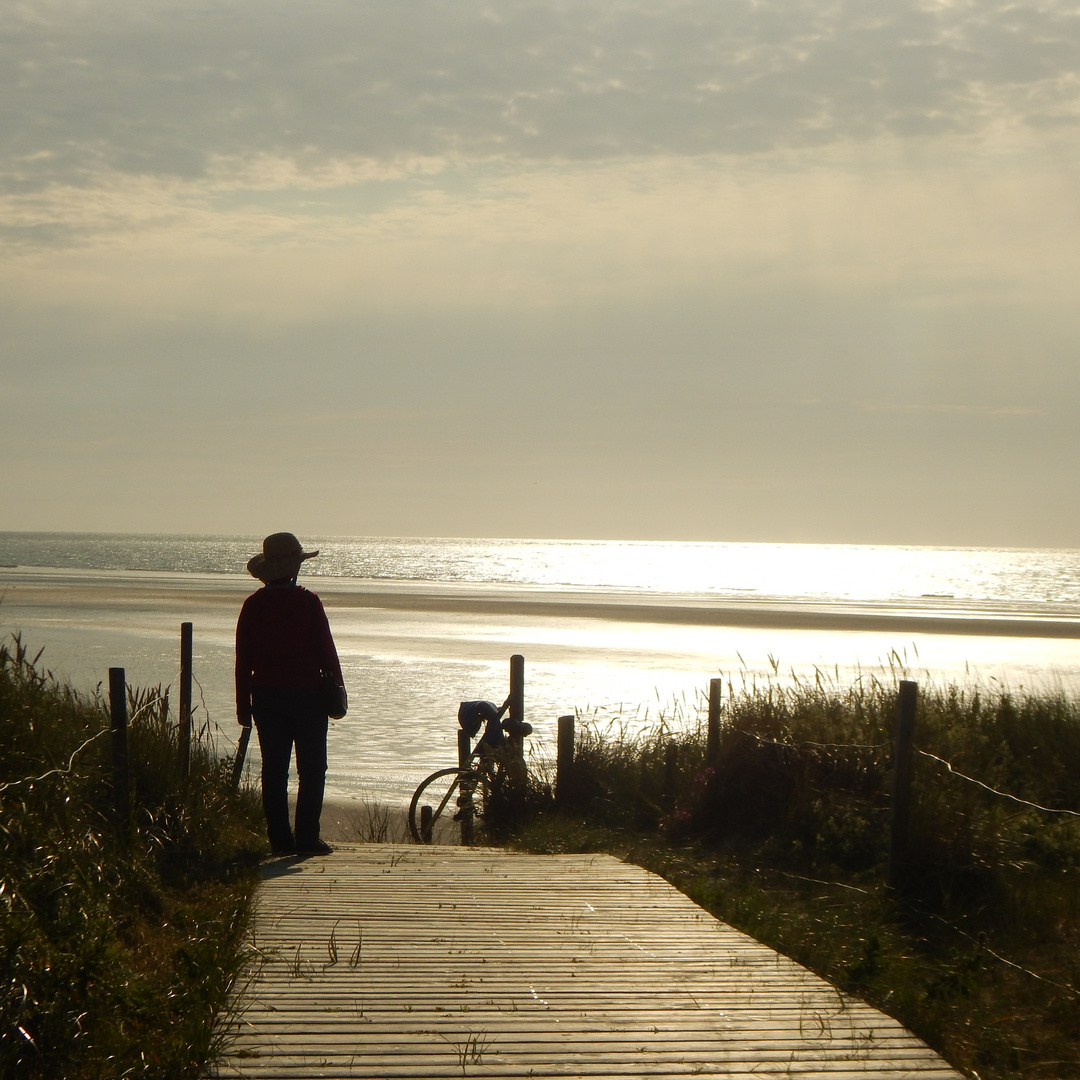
[701, 269]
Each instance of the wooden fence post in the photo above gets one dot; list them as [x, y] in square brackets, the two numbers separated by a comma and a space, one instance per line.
[516, 712]
[118, 715]
[517, 774]
[899, 856]
[465, 802]
[185, 699]
[564, 762]
[712, 739]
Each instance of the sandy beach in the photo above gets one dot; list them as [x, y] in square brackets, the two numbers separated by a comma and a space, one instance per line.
[412, 651]
[22, 587]
[361, 821]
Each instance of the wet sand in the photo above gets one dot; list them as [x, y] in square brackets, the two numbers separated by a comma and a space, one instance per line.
[361, 821]
[44, 590]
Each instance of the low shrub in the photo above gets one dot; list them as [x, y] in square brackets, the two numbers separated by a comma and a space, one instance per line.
[120, 934]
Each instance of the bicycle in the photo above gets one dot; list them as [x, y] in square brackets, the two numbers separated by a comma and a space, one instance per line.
[492, 767]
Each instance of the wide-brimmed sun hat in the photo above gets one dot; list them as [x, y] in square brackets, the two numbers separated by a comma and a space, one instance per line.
[280, 558]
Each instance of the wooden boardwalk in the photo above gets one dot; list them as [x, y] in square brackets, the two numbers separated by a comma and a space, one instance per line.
[401, 961]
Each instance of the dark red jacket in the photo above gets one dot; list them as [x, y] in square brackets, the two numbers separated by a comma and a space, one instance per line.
[283, 640]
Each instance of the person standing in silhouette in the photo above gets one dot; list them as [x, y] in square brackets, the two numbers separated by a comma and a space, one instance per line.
[283, 648]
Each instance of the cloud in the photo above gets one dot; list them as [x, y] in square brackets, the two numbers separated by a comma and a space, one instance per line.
[215, 131]
[957, 410]
[857, 220]
[707, 266]
[173, 89]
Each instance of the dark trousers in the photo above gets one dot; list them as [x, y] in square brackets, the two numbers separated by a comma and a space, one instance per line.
[286, 719]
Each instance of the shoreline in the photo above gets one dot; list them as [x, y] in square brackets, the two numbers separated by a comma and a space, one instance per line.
[45, 588]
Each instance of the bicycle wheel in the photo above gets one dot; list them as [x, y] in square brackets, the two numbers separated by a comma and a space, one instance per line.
[446, 792]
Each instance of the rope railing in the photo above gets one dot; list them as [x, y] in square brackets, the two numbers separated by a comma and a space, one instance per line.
[808, 742]
[994, 791]
[59, 771]
[980, 944]
[918, 908]
[117, 703]
[922, 753]
[65, 770]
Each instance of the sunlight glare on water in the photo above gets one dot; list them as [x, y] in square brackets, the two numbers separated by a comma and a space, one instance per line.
[818, 571]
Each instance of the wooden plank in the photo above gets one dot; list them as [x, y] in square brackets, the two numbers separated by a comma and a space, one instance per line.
[397, 961]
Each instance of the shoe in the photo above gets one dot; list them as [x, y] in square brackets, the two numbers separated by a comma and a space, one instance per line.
[320, 847]
[282, 852]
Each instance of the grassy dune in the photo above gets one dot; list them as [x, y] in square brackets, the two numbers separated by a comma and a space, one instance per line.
[786, 834]
[119, 938]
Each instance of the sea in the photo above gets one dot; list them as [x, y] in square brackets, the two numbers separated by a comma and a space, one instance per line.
[624, 634]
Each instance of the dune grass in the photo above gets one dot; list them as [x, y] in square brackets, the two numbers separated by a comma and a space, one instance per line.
[785, 835]
[120, 936]
[119, 940]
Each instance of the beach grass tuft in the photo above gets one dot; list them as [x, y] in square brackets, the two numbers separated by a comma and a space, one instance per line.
[120, 935]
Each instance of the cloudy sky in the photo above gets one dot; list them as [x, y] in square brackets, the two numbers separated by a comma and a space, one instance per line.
[699, 269]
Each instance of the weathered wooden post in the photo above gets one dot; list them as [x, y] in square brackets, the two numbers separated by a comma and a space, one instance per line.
[118, 715]
[516, 713]
[712, 737]
[185, 699]
[465, 790]
[427, 819]
[516, 774]
[903, 753]
[564, 762]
